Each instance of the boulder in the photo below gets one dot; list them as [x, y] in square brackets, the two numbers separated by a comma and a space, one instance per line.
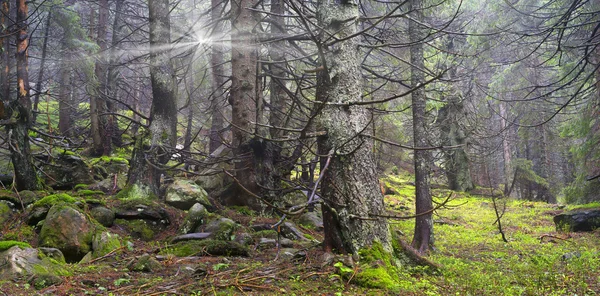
[144, 263]
[69, 230]
[210, 182]
[103, 215]
[289, 230]
[578, 220]
[17, 261]
[311, 220]
[221, 228]
[195, 217]
[5, 212]
[104, 243]
[183, 194]
[66, 171]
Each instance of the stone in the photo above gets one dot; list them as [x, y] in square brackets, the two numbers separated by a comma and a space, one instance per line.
[271, 243]
[108, 185]
[144, 263]
[183, 194]
[292, 254]
[104, 243]
[5, 212]
[53, 253]
[221, 228]
[17, 261]
[69, 230]
[311, 220]
[140, 211]
[27, 197]
[66, 171]
[103, 215]
[244, 239]
[191, 236]
[195, 217]
[578, 220]
[210, 182]
[289, 230]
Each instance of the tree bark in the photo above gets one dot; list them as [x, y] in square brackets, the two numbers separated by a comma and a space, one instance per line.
[112, 128]
[243, 99]
[217, 63]
[18, 137]
[65, 104]
[101, 142]
[5, 59]
[506, 154]
[423, 237]
[350, 189]
[150, 154]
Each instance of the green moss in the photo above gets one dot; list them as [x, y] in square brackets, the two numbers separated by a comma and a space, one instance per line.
[5, 245]
[55, 198]
[66, 152]
[110, 243]
[109, 159]
[22, 233]
[138, 228]
[270, 233]
[81, 187]
[244, 210]
[377, 269]
[137, 193]
[87, 192]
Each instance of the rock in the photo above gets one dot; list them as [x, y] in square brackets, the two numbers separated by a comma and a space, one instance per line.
[140, 211]
[183, 194]
[140, 228]
[5, 212]
[195, 217]
[222, 228]
[27, 197]
[289, 230]
[311, 220]
[39, 209]
[36, 215]
[293, 198]
[578, 220]
[17, 261]
[103, 215]
[66, 171]
[104, 243]
[264, 243]
[53, 253]
[40, 281]
[292, 254]
[191, 236]
[209, 247]
[68, 230]
[210, 182]
[144, 263]
[108, 185]
[244, 239]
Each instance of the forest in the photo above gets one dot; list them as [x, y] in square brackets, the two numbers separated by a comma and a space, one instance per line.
[319, 147]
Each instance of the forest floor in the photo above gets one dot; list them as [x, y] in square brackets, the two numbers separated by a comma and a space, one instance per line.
[474, 259]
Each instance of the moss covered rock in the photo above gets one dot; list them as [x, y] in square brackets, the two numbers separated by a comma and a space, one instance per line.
[195, 217]
[103, 215]
[66, 171]
[144, 263]
[183, 194]
[105, 242]
[5, 245]
[5, 212]
[39, 209]
[138, 228]
[69, 230]
[19, 260]
[221, 228]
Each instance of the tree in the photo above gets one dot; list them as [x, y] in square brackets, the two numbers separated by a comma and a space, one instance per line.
[101, 141]
[217, 62]
[352, 199]
[152, 149]
[18, 131]
[423, 238]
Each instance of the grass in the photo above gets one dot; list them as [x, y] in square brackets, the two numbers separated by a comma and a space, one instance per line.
[534, 262]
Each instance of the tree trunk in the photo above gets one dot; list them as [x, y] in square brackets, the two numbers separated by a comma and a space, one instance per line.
[101, 142]
[243, 99]
[65, 104]
[112, 128]
[5, 60]
[350, 189]
[18, 136]
[423, 237]
[149, 156]
[217, 63]
[506, 154]
[40, 78]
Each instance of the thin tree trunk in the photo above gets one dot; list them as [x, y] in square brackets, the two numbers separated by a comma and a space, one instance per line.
[65, 108]
[101, 142]
[506, 154]
[18, 136]
[144, 172]
[423, 237]
[40, 78]
[350, 189]
[217, 63]
[112, 128]
[5, 58]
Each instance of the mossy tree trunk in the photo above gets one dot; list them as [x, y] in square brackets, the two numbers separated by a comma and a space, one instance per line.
[350, 190]
[112, 127]
[451, 119]
[423, 237]
[243, 98]
[101, 142]
[65, 104]
[18, 132]
[153, 148]
[217, 65]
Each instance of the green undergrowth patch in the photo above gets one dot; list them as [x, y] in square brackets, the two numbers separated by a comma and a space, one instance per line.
[7, 244]
[536, 261]
[50, 200]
